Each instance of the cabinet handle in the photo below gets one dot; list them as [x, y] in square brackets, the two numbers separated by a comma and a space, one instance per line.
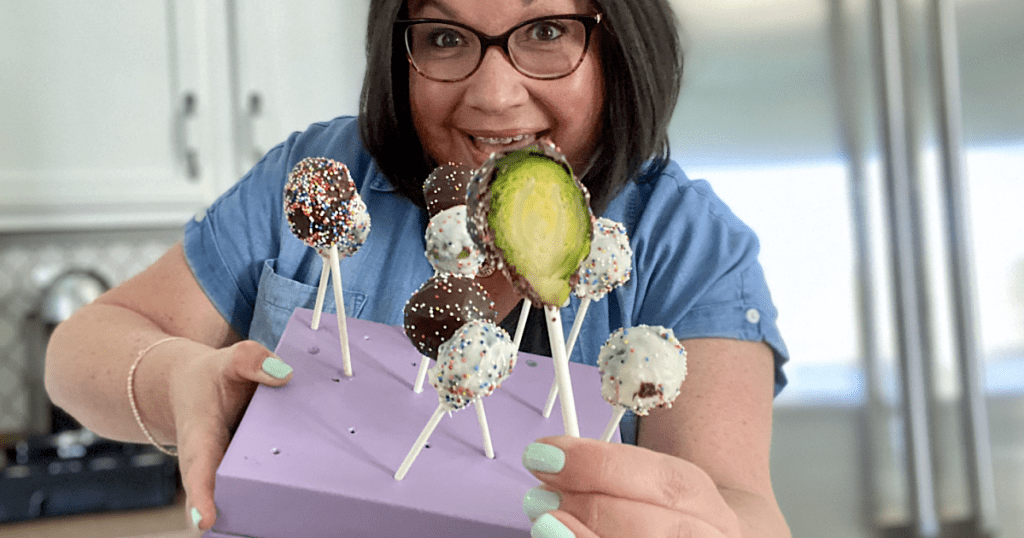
[254, 109]
[188, 154]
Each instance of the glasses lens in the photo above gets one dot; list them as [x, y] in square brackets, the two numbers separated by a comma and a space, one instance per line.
[549, 48]
[442, 51]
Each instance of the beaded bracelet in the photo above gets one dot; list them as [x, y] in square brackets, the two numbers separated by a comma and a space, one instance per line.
[131, 395]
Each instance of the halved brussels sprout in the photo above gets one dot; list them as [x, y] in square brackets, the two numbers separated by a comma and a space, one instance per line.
[532, 216]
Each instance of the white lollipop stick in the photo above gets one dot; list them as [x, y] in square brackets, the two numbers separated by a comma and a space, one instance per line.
[321, 292]
[610, 429]
[481, 417]
[552, 395]
[420, 441]
[569, 345]
[339, 300]
[421, 375]
[553, 318]
[521, 326]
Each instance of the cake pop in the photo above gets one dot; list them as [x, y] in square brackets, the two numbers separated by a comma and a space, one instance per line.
[450, 249]
[641, 368]
[609, 263]
[323, 208]
[607, 267]
[446, 187]
[443, 305]
[471, 365]
[325, 211]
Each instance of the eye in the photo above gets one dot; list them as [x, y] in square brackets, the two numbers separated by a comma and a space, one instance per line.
[545, 31]
[445, 38]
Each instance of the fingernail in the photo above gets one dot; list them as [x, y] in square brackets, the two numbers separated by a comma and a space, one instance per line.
[196, 518]
[548, 526]
[276, 367]
[543, 458]
[539, 501]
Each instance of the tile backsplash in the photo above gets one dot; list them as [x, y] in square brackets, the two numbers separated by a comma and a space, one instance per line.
[29, 263]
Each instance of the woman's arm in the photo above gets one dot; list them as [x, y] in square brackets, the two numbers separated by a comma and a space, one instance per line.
[190, 392]
[702, 472]
[90, 354]
[722, 423]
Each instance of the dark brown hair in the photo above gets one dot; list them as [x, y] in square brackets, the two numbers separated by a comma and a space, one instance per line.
[643, 63]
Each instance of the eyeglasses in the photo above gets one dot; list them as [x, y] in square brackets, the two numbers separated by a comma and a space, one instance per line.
[542, 48]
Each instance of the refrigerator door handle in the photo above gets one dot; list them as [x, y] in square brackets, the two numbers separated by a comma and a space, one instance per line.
[904, 253]
[977, 441]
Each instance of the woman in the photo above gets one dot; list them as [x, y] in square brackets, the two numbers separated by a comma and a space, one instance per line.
[204, 316]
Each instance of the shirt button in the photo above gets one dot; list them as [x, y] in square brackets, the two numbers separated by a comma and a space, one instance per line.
[753, 315]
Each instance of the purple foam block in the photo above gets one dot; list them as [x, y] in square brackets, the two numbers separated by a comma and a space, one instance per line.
[317, 457]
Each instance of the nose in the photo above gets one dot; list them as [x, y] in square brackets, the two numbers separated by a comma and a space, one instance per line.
[496, 86]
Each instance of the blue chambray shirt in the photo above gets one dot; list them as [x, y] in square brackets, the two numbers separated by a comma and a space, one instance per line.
[695, 267]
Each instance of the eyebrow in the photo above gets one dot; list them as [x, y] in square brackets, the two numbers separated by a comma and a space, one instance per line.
[443, 8]
[448, 12]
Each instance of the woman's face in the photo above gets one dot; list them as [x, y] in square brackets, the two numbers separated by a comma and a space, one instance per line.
[498, 108]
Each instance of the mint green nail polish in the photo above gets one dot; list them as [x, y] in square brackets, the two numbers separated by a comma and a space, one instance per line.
[539, 501]
[548, 526]
[276, 367]
[196, 517]
[543, 458]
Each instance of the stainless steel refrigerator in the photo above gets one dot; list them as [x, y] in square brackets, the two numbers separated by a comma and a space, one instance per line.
[877, 147]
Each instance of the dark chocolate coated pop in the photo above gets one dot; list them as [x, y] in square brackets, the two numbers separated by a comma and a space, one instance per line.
[441, 307]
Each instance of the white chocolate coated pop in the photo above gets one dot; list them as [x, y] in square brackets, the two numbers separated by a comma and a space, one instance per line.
[450, 249]
[472, 363]
[642, 368]
[609, 263]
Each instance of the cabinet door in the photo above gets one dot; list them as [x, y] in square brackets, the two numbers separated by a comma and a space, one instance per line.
[101, 120]
[297, 62]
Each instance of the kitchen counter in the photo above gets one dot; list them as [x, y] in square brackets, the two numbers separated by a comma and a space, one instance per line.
[165, 522]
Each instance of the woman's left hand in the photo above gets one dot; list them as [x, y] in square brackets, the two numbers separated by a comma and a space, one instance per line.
[593, 489]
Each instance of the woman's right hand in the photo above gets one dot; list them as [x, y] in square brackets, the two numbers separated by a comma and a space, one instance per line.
[208, 396]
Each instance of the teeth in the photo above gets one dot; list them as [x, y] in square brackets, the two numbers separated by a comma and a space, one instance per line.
[500, 141]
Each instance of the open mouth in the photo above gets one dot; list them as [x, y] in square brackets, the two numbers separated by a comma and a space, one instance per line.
[500, 141]
[489, 144]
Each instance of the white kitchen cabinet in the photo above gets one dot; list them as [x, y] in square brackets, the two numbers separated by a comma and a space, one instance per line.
[299, 62]
[108, 112]
[135, 113]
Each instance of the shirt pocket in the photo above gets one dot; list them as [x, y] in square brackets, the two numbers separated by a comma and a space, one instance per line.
[279, 296]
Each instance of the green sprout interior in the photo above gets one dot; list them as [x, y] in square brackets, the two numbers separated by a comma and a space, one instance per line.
[540, 221]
